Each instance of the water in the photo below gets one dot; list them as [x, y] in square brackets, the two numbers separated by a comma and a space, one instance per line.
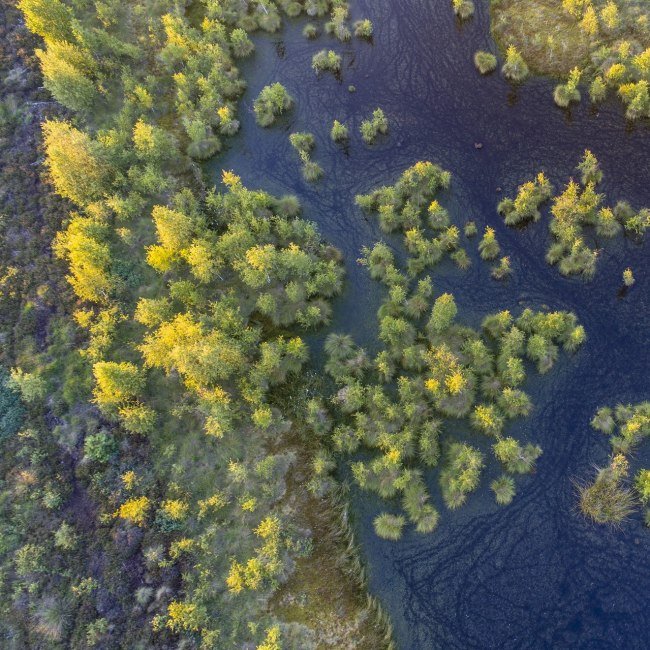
[534, 574]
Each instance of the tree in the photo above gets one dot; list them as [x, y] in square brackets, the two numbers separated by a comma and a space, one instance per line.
[628, 277]
[50, 19]
[272, 101]
[340, 132]
[464, 9]
[443, 313]
[515, 67]
[84, 244]
[515, 458]
[134, 510]
[504, 490]
[610, 16]
[67, 71]
[590, 169]
[31, 386]
[489, 246]
[116, 383]
[326, 61]
[100, 447]
[461, 473]
[74, 163]
[589, 22]
[372, 127]
[606, 500]
[566, 93]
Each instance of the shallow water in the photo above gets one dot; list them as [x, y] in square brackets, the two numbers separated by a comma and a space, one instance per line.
[534, 574]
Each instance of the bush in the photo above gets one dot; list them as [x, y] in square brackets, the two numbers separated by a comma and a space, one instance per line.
[100, 447]
[389, 526]
[485, 62]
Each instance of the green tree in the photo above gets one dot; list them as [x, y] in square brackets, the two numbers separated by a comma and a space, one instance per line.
[75, 165]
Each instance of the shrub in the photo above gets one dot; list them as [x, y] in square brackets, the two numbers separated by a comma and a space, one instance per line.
[485, 62]
[606, 500]
[504, 490]
[389, 526]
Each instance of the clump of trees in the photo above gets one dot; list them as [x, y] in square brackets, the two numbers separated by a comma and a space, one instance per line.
[326, 61]
[610, 499]
[602, 43]
[525, 206]
[430, 369]
[575, 212]
[164, 375]
[304, 144]
[273, 101]
[374, 126]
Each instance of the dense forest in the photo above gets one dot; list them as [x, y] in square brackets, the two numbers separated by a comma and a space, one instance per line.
[176, 461]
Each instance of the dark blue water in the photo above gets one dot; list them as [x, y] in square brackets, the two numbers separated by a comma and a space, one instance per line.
[534, 574]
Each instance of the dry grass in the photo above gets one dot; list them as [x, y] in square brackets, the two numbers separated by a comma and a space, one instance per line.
[324, 592]
[551, 41]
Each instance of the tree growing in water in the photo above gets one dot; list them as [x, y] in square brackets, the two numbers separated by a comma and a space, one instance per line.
[273, 101]
[431, 369]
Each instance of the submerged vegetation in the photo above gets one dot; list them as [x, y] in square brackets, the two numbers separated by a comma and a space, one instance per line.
[610, 499]
[603, 43]
[576, 211]
[432, 370]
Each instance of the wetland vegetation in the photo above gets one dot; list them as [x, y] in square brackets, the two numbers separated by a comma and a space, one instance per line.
[207, 439]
